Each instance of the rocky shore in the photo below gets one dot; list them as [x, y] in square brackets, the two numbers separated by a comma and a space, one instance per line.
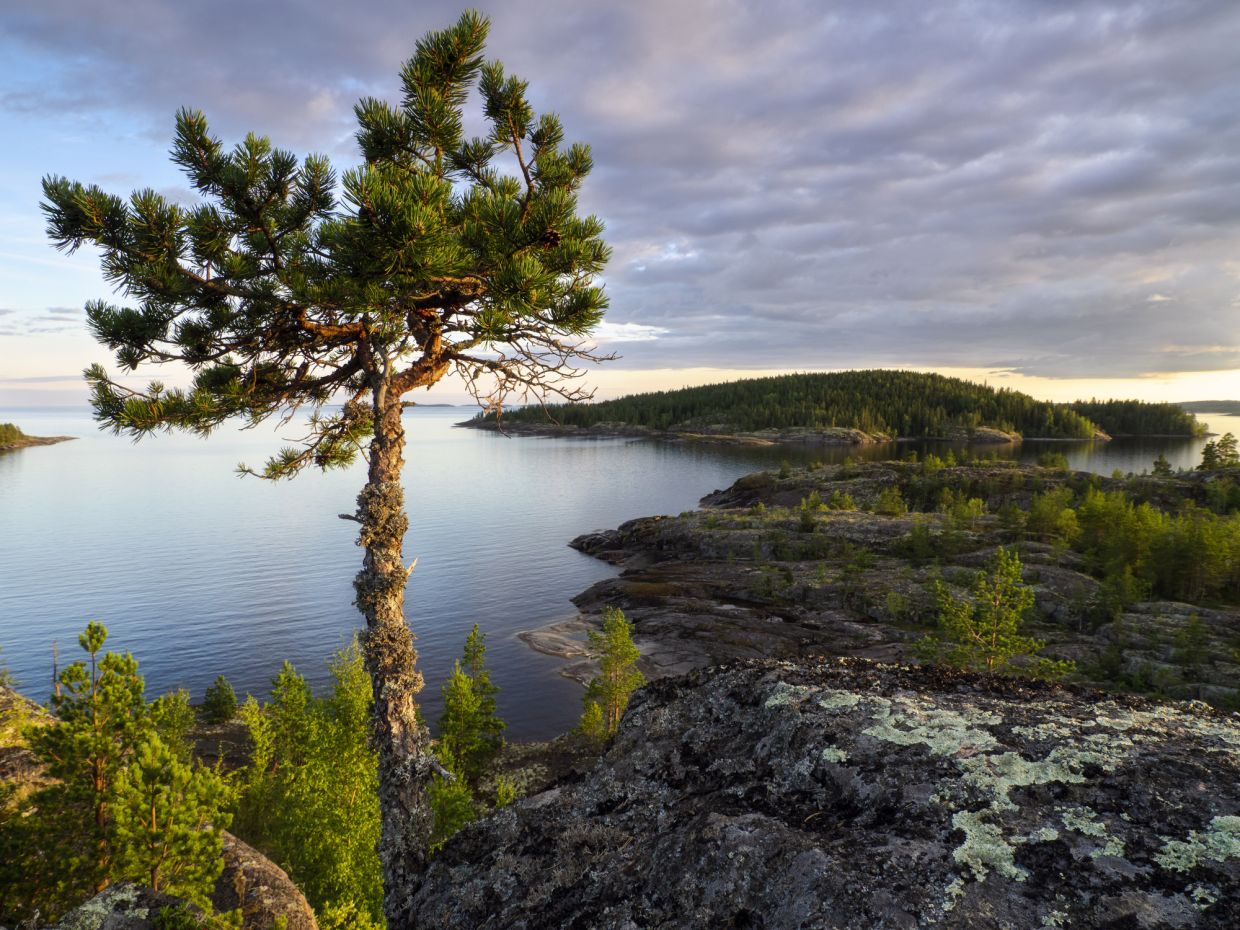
[741, 579]
[27, 441]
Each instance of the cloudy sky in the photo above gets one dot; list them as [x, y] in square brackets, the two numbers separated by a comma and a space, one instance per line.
[1042, 193]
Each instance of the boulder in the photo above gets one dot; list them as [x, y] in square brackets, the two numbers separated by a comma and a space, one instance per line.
[843, 793]
[260, 889]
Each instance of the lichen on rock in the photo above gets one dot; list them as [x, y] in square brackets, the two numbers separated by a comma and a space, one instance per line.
[847, 794]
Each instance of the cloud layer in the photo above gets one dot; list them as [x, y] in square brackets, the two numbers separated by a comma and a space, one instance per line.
[1048, 187]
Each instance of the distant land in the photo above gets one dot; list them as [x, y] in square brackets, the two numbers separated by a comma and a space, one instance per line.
[849, 407]
[1229, 408]
[11, 437]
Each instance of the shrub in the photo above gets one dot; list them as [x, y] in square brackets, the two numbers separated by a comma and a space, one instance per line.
[220, 702]
[1053, 460]
[890, 502]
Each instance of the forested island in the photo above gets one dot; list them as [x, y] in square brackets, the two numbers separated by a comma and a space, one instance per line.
[11, 437]
[854, 406]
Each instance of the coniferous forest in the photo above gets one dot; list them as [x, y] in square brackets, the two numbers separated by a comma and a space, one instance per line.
[895, 403]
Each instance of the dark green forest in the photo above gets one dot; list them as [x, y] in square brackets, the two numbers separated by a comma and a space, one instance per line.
[1140, 418]
[897, 403]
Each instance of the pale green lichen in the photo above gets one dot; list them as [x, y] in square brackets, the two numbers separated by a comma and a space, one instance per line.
[1203, 895]
[1043, 835]
[783, 694]
[943, 732]
[984, 847]
[1220, 842]
[833, 754]
[1083, 820]
[952, 894]
[1055, 918]
[93, 914]
[998, 774]
[835, 701]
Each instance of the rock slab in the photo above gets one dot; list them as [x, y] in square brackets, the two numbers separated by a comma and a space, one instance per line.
[848, 794]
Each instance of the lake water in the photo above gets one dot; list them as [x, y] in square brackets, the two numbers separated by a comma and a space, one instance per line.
[200, 573]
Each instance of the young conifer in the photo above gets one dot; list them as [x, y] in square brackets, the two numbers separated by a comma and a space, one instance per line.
[608, 695]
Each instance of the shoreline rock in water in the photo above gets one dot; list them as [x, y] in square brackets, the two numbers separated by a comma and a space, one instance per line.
[29, 441]
[849, 794]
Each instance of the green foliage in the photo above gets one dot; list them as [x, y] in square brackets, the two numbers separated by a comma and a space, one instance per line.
[1221, 453]
[9, 432]
[1139, 418]
[1162, 468]
[841, 500]
[470, 727]
[890, 502]
[1051, 517]
[219, 704]
[452, 804]
[899, 403]
[310, 794]
[982, 632]
[962, 511]
[593, 724]
[124, 801]
[608, 695]
[174, 719]
[1055, 460]
[167, 817]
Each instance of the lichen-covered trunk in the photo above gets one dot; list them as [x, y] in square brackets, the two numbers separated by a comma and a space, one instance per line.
[403, 743]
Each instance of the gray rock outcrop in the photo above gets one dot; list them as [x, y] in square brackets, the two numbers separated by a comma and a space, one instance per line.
[847, 794]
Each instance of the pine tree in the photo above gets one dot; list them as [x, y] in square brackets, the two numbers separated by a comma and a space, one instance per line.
[168, 818]
[460, 737]
[490, 726]
[1228, 451]
[219, 704]
[617, 679]
[122, 798]
[1162, 468]
[983, 632]
[1209, 457]
[280, 297]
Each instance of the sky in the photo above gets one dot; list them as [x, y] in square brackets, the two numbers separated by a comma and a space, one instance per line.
[1042, 194]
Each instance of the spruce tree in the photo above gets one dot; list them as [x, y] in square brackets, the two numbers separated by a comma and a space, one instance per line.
[282, 297]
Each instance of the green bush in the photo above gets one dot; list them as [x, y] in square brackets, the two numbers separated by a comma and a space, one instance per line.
[220, 702]
[310, 796]
[890, 502]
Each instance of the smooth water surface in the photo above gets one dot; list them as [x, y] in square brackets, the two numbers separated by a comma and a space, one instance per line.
[199, 573]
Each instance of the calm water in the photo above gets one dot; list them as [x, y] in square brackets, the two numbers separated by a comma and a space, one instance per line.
[201, 573]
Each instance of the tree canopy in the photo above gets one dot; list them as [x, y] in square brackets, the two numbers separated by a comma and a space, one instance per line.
[288, 287]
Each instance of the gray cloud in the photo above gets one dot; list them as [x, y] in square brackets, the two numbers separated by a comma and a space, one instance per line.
[1004, 183]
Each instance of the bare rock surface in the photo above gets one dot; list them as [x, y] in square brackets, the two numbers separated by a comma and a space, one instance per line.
[847, 794]
[260, 889]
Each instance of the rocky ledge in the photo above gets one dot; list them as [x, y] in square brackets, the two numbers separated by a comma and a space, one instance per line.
[847, 794]
[745, 578]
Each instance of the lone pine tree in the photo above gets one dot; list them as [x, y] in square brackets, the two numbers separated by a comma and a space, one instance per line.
[287, 289]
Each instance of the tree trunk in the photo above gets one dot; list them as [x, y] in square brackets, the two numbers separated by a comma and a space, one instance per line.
[402, 742]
